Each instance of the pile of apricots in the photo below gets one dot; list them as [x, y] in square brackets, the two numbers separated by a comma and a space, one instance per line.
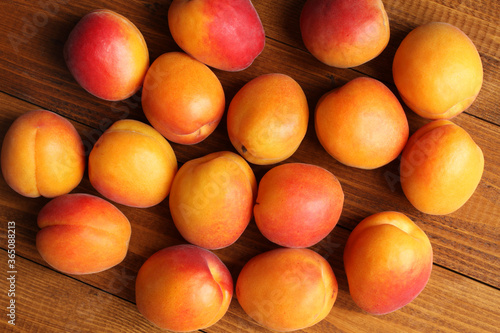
[388, 258]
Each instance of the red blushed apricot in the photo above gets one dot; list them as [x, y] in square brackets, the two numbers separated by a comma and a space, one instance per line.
[82, 234]
[132, 164]
[224, 34]
[183, 288]
[437, 70]
[42, 155]
[361, 124]
[298, 204]
[344, 33]
[388, 262]
[107, 55]
[182, 98]
[441, 167]
[287, 289]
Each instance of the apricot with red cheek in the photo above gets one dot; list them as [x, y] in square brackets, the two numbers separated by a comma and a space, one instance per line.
[224, 34]
[82, 234]
[388, 262]
[298, 204]
[183, 288]
[344, 33]
[107, 55]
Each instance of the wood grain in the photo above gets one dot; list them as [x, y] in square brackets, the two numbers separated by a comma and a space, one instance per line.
[463, 292]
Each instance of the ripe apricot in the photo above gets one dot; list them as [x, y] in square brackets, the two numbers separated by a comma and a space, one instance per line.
[437, 70]
[362, 124]
[441, 167]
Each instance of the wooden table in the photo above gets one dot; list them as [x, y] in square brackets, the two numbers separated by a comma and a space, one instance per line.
[463, 292]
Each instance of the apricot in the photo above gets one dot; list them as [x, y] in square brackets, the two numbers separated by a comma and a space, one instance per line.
[107, 55]
[224, 34]
[298, 204]
[212, 198]
[361, 124]
[132, 164]
[183, 288]
[82, 234]
[344, 33]
[388, 262]
[437, 70]
[182, 98]
[42, 155]
[441, 167]
[267, 118]
[287, 289]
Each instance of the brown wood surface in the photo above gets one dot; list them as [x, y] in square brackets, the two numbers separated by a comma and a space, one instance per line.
[463, 292]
